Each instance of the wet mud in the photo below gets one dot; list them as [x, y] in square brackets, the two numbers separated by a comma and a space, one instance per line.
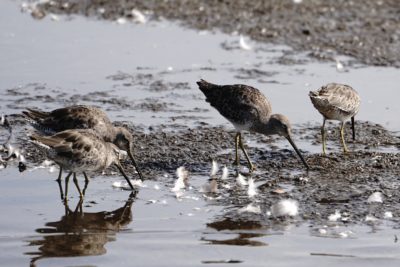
[326, 28]
[336, 181]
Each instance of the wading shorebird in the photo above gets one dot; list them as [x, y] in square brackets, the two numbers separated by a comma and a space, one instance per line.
[80, 151]
[336, 102]
[248, 110]
[83, 117]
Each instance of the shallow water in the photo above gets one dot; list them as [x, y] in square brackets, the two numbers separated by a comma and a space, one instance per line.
[54, 63]
[167, 232]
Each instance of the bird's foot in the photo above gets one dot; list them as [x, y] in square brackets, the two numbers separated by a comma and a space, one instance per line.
[324, 155]
[252, 168]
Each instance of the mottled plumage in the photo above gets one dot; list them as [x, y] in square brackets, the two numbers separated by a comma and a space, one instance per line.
[248, 110]
[244, 106]
[80, 151]
[73, 117]
[336, 102]
[83, 117]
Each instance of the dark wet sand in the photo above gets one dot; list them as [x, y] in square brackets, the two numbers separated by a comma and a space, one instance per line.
[334, 181]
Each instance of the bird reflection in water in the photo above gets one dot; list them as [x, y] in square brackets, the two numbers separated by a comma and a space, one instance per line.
[242, 227]
[80, 233]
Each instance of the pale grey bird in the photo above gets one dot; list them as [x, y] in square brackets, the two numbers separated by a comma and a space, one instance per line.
[336, 102]
[80, 151]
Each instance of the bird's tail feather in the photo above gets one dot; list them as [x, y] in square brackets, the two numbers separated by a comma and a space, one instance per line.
[35, 114]
[313, 94]
[205, 86]
[46, 140]
[36, 118]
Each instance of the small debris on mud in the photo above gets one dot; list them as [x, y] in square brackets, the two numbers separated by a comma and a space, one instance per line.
[338, 181]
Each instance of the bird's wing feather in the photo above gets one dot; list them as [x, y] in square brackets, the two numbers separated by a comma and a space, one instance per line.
[243, 104]
[76, 117]
[338, 96]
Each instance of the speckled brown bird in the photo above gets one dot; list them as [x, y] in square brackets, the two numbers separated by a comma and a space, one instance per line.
[80, 151]
[248, 110]
[83, 117]
[336, 102]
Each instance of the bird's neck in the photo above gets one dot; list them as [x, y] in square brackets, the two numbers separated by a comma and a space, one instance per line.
[264, 127]
[111, 156]
[111, 134]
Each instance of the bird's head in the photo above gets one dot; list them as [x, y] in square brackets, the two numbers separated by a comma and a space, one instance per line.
[279, 124]
[123, 139]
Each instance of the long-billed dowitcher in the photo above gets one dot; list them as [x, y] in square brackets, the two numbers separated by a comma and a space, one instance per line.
[83, 117]
[247, 109]
[336, 102]
[80, 151]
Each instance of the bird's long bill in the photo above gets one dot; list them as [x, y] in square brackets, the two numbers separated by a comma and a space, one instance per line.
[124, 174]
[297, 151]
[135, 164]
[353, 128]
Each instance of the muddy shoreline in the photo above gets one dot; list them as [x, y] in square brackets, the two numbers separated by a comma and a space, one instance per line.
[184, 138]
[144, 78]
[335, 182]
[365, 30]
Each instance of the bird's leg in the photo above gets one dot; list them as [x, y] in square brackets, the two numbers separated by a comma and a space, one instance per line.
[59, 184]
[79, 206]
[77, 185]
[237, 160]
[60, 187]
[323, 137]
[353, 128]
[86, 183]
[59, 175]
[66, 185]
[251, 166]
[67, 209]
[345, 150]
